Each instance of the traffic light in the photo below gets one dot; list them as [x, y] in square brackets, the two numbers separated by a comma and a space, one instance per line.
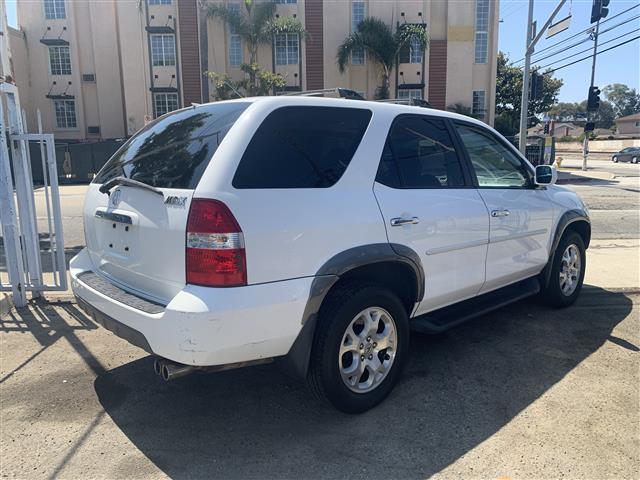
[599, 10]
[546, 128]
[593, 100]
[537, 82]
[589, 127]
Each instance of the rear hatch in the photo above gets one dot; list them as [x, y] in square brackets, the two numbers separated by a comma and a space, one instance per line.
[136, 209]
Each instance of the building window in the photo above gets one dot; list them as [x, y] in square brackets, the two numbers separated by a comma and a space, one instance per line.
[407, 93]
[163, 50]
[478, 106]
[235, 41]
[159, 2]
[60, 60]
[165, 103]
[415, 51]
[54, 9]
[357, 15]
[482, 31]
[282, 2]
[65, 113]
[287, 49]
[235, 50]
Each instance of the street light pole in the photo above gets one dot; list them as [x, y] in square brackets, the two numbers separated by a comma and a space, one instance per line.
[524, 101]
[526, 77]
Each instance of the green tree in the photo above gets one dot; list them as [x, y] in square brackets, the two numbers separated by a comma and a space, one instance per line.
[509, 96]
[226, 88]
[256, 25]
[625, 100]
[577, 113]
[381, 46]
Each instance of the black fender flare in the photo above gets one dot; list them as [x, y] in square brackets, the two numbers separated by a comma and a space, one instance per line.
[296, 361]
[567, 218]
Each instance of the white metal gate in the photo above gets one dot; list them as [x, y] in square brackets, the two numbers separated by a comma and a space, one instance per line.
[34, 257]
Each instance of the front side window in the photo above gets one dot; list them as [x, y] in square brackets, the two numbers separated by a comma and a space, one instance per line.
[419, 153]
[54, 9]
[302, 147]
[163, 50]
[287, 48]
[482, 31]
[65, 111]
[495, 165]
[165, 103]
[60, 60]
[174, 151]
[478, 109]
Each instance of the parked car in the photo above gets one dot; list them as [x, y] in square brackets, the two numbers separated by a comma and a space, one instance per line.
[629, 154]
[318, 233]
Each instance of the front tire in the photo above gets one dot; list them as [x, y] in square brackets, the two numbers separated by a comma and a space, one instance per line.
[567, 271]
[615, 159]
[360, 347]
[634, 160]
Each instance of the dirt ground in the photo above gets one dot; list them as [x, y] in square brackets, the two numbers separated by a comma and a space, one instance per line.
[525, 392]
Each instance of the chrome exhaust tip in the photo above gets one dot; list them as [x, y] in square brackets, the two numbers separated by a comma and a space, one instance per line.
[171, 371]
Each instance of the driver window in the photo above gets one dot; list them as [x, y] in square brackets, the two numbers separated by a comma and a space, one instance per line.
[494, 164]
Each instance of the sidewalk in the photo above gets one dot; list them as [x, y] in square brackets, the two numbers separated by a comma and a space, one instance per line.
[568, 175]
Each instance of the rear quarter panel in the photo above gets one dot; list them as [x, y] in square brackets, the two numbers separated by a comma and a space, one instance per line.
[291, 233]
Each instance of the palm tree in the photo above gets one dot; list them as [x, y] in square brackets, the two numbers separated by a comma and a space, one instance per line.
[256, 25]
[381, 45]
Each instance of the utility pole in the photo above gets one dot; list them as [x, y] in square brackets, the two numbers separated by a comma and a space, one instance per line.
[524, 101]
[530, 44]
[599, 11]
[585, 145]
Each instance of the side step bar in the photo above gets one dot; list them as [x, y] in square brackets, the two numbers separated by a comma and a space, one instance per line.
[448, 317]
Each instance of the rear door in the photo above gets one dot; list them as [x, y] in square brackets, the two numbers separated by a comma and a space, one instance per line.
[136, 235]
[429, 204]
[521, 214]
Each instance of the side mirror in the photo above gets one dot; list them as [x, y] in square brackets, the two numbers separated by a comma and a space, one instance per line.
[546, 175]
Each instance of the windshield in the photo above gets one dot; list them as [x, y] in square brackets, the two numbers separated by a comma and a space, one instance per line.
[174, 150]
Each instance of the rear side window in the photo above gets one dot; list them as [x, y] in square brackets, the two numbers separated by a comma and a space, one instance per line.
[174, 150]
[302, 147]
[419, 153]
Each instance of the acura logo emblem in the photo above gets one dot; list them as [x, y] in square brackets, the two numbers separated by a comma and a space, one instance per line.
[115, 197]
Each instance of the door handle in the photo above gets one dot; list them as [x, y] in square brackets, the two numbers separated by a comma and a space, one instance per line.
[399, 221]
[500, 213]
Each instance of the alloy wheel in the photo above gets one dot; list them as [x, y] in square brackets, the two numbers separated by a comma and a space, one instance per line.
[570, 270]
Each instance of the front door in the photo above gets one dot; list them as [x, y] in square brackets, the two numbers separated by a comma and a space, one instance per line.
[429, 205]
[521, 214]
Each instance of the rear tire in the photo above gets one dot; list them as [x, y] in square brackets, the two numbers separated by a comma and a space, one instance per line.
[615, 159]
[360, 347]
[567, 271]
[634, 160]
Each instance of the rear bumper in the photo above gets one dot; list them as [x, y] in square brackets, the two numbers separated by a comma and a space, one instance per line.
[203, 326]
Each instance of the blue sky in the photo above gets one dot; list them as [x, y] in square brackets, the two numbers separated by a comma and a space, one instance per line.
[621, 65]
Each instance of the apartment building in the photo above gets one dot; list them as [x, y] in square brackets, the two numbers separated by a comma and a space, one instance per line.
[101, 69]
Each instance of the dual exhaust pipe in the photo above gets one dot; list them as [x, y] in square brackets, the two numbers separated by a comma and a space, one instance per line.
[169, 370]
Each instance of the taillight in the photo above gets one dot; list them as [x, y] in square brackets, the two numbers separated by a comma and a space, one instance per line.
[215, 255]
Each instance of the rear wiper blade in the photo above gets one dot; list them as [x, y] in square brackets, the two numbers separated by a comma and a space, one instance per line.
[106, 187]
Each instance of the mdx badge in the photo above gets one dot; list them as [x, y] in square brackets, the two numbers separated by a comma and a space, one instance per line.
[175, 202]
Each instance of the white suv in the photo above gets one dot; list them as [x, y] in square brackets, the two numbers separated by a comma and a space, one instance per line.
[318, 232]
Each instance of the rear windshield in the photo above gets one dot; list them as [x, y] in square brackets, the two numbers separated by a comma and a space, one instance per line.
[174, 150]
[302, 147]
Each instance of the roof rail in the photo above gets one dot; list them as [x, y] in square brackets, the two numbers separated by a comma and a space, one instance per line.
[414, 102]
[340, 92]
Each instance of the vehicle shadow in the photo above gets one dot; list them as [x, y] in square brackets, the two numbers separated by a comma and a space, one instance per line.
[458, 390]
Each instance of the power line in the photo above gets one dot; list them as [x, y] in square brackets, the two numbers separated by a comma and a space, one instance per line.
[587, 49]
[588, 29]
[590, 56]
